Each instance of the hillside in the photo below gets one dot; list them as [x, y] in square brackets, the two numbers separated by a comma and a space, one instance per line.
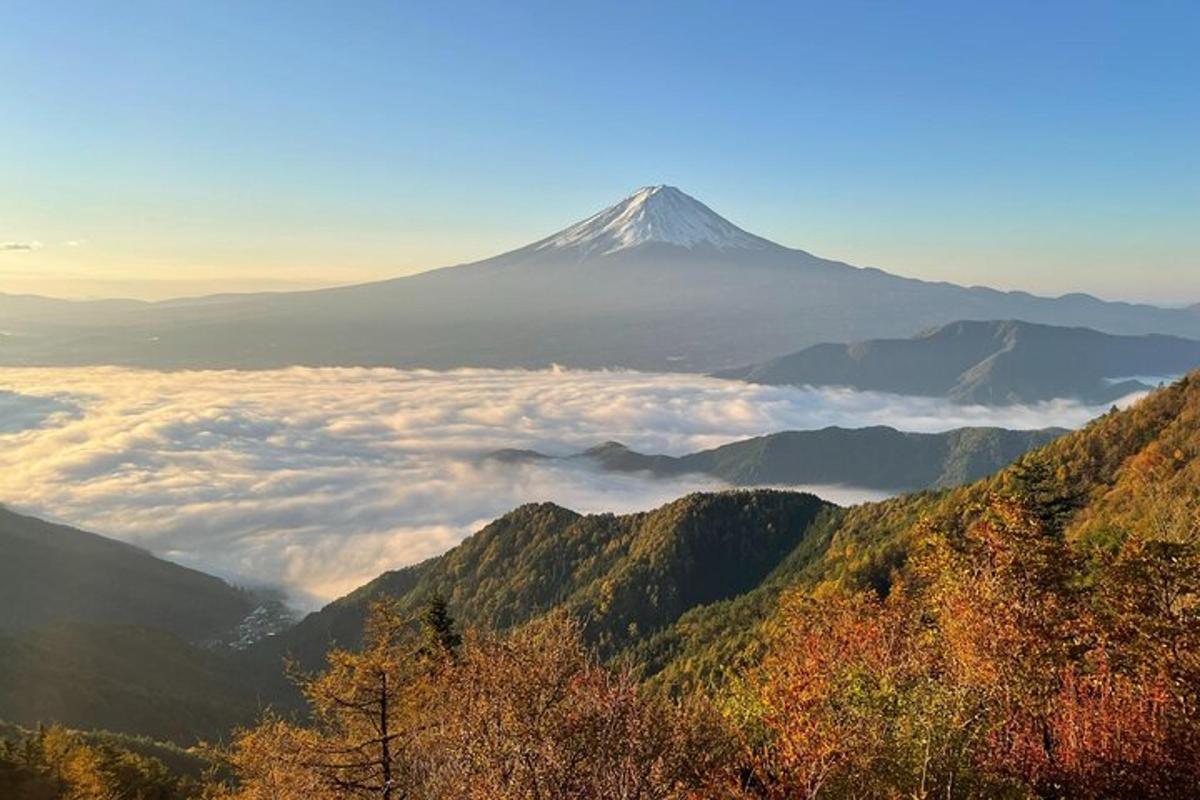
[123, 678]
[870, 458]
[987, 362]
[56, 762]
[95, 633]
[180, 761]
[543, 557]
[1131, 475]
[657, 281]
[625, 576]
[53, 574]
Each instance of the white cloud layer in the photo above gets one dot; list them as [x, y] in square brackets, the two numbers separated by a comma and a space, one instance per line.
[320, 479]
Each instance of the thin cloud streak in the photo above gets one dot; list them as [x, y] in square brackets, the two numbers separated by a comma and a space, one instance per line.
[320, 479]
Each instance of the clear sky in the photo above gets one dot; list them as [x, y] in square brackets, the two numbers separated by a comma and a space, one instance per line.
[164, 148]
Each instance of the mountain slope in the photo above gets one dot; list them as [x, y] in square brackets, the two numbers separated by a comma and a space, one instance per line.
[124, 678]
[624, 575]
[870, 458]
[643, 569]
[1132, 475]
[52, 574]
[96, 633]
[987, 362]
[657, 281]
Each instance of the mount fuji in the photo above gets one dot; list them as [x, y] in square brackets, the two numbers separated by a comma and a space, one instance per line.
[657, 281]
[660, 214]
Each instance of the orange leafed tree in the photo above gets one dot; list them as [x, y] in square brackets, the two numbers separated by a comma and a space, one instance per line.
[1004, 665]
[523, 716]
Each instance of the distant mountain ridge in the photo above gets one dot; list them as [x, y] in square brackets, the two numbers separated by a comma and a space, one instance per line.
[878, 457]
[996, 362]
[657, 281]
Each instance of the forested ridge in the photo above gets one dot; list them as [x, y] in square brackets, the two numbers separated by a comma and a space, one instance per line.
[878, 457]
[55, 762]
[623, 576]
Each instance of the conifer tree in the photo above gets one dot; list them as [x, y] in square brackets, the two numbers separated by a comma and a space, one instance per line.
[439, 632]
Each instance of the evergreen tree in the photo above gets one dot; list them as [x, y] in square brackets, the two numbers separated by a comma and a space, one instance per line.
[1035, 484]
[439, 632]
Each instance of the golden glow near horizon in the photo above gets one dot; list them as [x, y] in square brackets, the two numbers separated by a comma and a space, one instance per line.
[158, 268]
[89, 269]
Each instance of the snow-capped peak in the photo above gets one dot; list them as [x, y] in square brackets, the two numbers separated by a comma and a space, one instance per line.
[653, 214]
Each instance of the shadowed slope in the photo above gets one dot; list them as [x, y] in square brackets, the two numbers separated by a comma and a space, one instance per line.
[55, 574]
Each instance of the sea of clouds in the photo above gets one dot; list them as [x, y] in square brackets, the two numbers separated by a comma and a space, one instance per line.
[317, 480]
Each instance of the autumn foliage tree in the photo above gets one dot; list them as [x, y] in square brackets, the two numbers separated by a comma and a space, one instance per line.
[527, 715]
[54, 763]
[534, 715]
[368, 719]
[1006, 664]
[850, 704]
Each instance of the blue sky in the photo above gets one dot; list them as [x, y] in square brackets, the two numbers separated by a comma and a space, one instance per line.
[164, 148]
